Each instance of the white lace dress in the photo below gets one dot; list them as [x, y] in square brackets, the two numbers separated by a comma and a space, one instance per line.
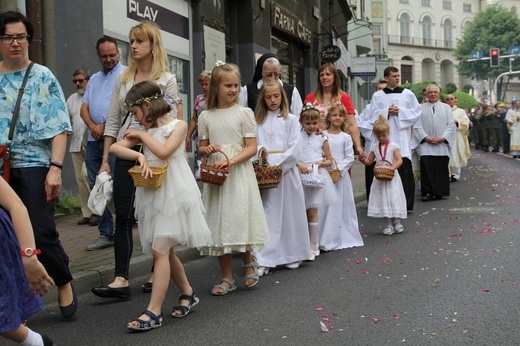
[387, 198]
[172, 213]
[234, 210]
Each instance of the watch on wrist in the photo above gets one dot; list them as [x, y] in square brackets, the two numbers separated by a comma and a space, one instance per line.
[30, 251]
[57, 164]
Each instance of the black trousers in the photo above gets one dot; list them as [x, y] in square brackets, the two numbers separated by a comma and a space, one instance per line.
[29, 184]
[124, 194]
[406, 174]
[435, 177]
[369, 177]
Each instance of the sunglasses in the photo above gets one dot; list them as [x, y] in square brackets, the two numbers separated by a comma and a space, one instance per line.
[78, 80]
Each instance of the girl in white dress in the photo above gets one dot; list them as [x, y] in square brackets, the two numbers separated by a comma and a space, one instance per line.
[279, 133]
[338, 223]
[172, 213]
[387, 199]
[234, 210]
[315, 152]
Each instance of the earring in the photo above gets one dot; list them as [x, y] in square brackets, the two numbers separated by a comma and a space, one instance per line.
[153, 52]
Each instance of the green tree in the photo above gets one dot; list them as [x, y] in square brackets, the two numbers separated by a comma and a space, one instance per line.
[493, 27]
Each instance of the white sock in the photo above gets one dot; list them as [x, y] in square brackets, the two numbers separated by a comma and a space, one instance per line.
[396, 221]
[33, 339]
[388, 222]
[313, 234]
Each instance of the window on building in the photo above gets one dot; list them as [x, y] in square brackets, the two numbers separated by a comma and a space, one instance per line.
[376, 46]
[404, 26]
[406, 74]
[377, 29]
[427, 31]
[404, 1]
[291, 61]
[446, 4]
[466, 8]
[425, 3]
[448, 33]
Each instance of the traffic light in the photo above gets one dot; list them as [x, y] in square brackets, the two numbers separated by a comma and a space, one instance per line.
[494, 55]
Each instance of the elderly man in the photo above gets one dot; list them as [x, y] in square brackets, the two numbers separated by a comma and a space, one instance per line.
[94, 112]
[268, 67]
[434, 133]
[461, 151]
[402, 109]
[77, 145]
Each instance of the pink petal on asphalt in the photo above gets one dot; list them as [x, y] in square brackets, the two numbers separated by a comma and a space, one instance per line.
[395, 315]
[375, 320]
[323, 327]
[486, 290]
[318, 309]
[358, 261]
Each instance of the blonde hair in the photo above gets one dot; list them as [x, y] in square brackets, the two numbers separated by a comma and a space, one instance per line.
[342, 111]
[148, 31]
[381, 125]
[216, 78]
[261, 107]
[206, 74]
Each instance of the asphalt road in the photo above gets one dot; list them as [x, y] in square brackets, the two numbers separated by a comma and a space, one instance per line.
[451, 278]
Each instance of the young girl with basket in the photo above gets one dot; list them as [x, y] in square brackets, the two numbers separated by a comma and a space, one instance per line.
[315, 158]
[227, 133]
[171, 213]
[279, 133]
[338, 223]
[387, 199]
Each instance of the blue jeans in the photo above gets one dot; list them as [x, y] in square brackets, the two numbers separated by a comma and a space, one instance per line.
[93, 162]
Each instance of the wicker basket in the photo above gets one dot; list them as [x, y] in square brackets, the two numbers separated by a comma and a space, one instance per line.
[212, 175]
[267, 176]
[335, 173]
[152, 182]
[382, 172]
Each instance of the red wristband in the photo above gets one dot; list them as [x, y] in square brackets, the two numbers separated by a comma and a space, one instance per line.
[30, 251]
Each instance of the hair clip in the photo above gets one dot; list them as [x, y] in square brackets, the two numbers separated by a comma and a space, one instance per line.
[308, 106]
[140, 101]
[219, 63]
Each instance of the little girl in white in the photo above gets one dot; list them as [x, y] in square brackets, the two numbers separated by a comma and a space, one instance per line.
[314, 148]
[170, 214]
[386, 198]
[234, 210]
[279, 133]
[338, 222]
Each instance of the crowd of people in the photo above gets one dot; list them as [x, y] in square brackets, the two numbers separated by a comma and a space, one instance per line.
[124, 116]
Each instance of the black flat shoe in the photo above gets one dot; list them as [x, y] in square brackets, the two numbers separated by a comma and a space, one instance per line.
[69, 310]
[109, 292]
[147, 287]
[427, 198]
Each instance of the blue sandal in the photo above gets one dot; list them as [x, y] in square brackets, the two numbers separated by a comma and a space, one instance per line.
[184, 310]
[153, 322]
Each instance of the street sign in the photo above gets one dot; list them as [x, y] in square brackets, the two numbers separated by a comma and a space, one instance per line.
[477, 54]
[514, 50]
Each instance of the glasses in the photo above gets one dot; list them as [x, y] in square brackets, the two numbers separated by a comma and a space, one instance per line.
[9, 39]
[272, 74]
[78, 80]
[449, 99]
[107, 56]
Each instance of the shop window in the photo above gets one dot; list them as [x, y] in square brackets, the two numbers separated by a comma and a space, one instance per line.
[291, 60]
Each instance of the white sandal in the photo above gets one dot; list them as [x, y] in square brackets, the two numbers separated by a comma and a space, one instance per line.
[255, 276]
[225, 289]
[389, 230]
[398, 227]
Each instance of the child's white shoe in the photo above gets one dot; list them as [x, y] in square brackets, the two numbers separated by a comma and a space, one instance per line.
[398, 228]
[389, 230]
[263, 271]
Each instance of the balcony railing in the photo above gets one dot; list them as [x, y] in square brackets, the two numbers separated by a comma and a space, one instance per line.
[422, 42]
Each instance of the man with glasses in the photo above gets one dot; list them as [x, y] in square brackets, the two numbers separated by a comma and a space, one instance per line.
[77, 145]
[434, 133]
[94, 111]
[268, 68]
[461, 151]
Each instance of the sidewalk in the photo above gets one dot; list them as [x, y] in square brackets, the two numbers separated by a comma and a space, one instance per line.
[94, 268]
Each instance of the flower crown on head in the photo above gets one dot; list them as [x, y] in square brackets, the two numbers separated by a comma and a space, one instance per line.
[219, 63]
[308, 106]
[140, 101]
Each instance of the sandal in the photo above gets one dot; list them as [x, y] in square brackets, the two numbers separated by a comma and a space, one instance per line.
[398, 227]
[255, 276]
[184, 310]
[389, 230]
[155, 321]
[225, 289]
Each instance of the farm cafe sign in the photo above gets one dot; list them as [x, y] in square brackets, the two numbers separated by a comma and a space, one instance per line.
[286, 21]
